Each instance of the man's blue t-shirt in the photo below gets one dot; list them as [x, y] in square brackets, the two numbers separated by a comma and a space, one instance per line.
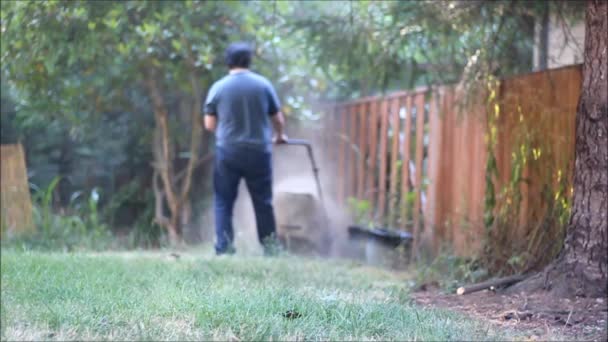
[243, 103]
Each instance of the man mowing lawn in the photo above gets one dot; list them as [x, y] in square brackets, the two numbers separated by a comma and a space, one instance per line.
[240, 108]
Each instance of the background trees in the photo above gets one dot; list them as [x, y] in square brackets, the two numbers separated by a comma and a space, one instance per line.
[118, 85]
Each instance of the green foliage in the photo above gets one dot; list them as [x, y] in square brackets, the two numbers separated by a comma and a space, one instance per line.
[361, 211]
[403, 44]
[76, 228]
[145, 233]
[74, 93]
[44, 198]
[532, 157]
[79, 83]
[89, 55]
[151, 296]
[389, 45]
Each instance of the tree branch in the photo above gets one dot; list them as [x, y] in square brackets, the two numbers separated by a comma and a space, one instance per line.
[196, 125]
[165, 165]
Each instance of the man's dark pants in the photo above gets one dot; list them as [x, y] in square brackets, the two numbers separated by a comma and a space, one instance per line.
[255, 167]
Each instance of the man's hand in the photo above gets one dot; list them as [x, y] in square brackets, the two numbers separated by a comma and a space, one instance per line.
[280, 139]
[278, 122]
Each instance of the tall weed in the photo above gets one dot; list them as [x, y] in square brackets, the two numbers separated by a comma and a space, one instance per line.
[73, 228]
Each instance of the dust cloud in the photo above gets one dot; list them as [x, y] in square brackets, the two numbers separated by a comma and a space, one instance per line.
[292, 174]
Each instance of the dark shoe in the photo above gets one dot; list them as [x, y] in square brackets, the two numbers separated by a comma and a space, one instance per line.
[230, 250]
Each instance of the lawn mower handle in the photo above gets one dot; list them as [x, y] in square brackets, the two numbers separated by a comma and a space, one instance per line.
[300, 142]
[315, 169]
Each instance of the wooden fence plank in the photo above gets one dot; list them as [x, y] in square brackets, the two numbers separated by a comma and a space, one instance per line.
[372, 161]
[342, 181]
[458, 176]
[363, 142]
[468, 227]
[333, 132]
[352, 165]
[419, 100]
[328, 128]
[478, 175]
[434, 160]
[383, 152]
[405, 170]
[446, 174]
[393, 195]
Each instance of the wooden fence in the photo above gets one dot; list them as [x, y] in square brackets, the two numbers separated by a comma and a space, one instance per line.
[419, 158]
[16, 208]
[382, 146]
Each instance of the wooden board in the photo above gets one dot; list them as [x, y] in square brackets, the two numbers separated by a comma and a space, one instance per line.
[16, 205]
[342, 181]
[381, 209]
[405, 170]
[352, 149]
[419, 102]
[395, 157]
[371, 183]
[362, 144]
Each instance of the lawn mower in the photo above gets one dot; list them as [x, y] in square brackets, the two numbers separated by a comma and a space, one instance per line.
[303, 224]
[302, 220]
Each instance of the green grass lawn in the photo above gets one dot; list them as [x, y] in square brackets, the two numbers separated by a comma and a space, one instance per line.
[151, 296]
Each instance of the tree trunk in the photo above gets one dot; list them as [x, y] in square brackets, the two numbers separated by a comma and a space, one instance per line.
[175, 196]
[163, 163]
[582, 266]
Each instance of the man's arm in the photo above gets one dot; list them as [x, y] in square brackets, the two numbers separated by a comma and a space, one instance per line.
[210, 122]
[278, 123]
[276, 116]
[209, 109]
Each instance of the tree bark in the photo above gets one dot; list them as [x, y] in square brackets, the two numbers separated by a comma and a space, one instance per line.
[195, 136]
[175, 186]
[582, 266]
[163, 164]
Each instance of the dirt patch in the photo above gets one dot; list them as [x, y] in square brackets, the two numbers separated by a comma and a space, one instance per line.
[537, 316]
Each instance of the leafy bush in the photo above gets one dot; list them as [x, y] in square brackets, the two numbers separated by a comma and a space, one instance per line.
[143, 232]
[74, 228]
[361, 211]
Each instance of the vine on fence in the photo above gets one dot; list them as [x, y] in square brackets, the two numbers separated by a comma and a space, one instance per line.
[521, 236]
